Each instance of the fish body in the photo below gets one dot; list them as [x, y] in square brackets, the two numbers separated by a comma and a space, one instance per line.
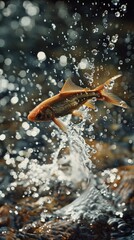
[66, 106]
[62, 105]
[69, 99]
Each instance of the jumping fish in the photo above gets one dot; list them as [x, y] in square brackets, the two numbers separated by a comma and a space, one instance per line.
[70, 98]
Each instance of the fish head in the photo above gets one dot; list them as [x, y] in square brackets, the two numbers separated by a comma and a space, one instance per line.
[41, 114]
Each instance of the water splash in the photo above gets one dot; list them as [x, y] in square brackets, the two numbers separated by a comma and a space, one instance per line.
[72, 167]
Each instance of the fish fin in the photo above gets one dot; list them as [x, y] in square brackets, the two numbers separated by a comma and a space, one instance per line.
[77, 113]
[112, 98]
[70, 86]
[107, 83]
[89, 104]
[60, 124]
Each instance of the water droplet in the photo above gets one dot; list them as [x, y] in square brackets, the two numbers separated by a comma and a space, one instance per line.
[105, 118]
[114, 38]
[30, 8]
[8, 61]
[94, 99]
[33, 132]
[104, 44]
[94, 52]
[73, 48]
[110, 85]
[2, 4]
[77, 16]
[25, 125]
[120, 62]
[95, 30]
[117, 14]
[121, 103]
[2, 137]
[108, 111]
[83, 63]
[41, 56]
[105, 24]
[88, 77]
[63, 60]
[96, 109]
[50, 93]
[115, 2]
[123, 8]
[105, 13]
[14, 100]
[53, 26]
[111, 46]
[26, 21]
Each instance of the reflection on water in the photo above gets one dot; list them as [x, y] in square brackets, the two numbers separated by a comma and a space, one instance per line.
[77, 185]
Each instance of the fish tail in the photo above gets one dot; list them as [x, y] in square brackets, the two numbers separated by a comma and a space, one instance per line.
[108, 96]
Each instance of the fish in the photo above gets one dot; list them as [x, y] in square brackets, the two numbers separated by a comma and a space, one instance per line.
[70, 99]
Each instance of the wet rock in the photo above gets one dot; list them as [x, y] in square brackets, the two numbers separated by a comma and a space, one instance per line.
[4, 215]
[61, 229]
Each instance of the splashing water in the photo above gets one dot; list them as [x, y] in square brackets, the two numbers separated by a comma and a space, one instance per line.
[78, 159]
[93, 201]
[69, 168]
